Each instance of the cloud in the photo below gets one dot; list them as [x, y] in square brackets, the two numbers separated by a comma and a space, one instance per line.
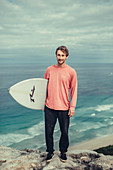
[81, 25]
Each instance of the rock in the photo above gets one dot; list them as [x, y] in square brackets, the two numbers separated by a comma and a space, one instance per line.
[32, 159]
[85, 159]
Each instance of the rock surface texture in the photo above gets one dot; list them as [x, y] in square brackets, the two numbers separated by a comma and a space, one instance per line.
[12, 159]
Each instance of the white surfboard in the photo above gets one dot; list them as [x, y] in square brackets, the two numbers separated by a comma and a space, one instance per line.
[30, 93]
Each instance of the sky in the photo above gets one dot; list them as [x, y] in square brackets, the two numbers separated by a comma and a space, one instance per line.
[35, 28]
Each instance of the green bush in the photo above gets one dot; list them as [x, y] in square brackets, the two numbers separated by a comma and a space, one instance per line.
[108, 150]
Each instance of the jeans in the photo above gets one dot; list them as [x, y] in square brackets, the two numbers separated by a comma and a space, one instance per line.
[51, 117]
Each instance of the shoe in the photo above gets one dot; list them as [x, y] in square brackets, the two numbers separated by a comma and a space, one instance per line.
[49, 157]
[63, 157]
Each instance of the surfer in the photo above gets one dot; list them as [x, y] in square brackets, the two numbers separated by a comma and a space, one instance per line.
[61, 78]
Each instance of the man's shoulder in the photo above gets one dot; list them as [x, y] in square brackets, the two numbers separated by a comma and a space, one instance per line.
[71, 69]
[50, 67]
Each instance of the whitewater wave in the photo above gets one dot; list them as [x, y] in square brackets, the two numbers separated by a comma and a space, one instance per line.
[93, 114]
[36, 129]
[104, 107]
[11, 138]
[111, 74]
[93, 127]
[100, 108]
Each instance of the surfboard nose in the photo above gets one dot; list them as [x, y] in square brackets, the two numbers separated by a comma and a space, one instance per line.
[30, 93]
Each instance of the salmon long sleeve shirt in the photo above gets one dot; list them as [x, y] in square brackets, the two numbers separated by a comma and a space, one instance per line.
[60, 80]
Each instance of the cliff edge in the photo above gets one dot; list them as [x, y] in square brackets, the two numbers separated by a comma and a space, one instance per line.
[32, 159]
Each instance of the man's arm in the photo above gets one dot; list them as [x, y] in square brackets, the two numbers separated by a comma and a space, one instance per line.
[45, 77]
[73, 95]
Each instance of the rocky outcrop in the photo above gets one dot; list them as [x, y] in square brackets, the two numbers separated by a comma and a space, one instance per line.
[12, 159]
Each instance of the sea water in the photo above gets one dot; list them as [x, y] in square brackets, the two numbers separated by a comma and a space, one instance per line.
[22, 128]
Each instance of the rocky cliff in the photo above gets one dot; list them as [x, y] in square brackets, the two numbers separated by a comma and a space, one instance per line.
[12, 159]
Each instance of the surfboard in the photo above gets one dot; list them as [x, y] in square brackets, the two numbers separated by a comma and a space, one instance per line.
[30, 93]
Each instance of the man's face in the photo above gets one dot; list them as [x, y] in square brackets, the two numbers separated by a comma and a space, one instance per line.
[61, 57]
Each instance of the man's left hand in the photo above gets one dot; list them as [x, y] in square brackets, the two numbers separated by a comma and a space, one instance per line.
[71, 113]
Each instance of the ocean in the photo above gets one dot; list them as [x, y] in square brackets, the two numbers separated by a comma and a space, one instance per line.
[22, 128]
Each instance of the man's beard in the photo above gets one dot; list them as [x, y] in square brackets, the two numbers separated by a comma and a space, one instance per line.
[59, 61]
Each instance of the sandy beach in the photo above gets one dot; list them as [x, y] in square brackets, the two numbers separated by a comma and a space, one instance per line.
[94, 143]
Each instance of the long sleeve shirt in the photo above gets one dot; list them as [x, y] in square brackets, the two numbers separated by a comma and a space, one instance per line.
[60, 80]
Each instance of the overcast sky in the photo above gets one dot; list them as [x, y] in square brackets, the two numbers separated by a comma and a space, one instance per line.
[38, 27]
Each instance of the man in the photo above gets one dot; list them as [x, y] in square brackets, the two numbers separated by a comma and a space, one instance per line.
[61, 78]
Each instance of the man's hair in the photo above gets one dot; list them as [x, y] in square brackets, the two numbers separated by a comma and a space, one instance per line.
[63, 49]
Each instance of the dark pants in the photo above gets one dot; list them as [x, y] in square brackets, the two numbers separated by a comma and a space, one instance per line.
[50, 121]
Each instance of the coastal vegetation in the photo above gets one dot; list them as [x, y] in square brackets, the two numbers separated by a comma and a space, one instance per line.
[108, 150]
